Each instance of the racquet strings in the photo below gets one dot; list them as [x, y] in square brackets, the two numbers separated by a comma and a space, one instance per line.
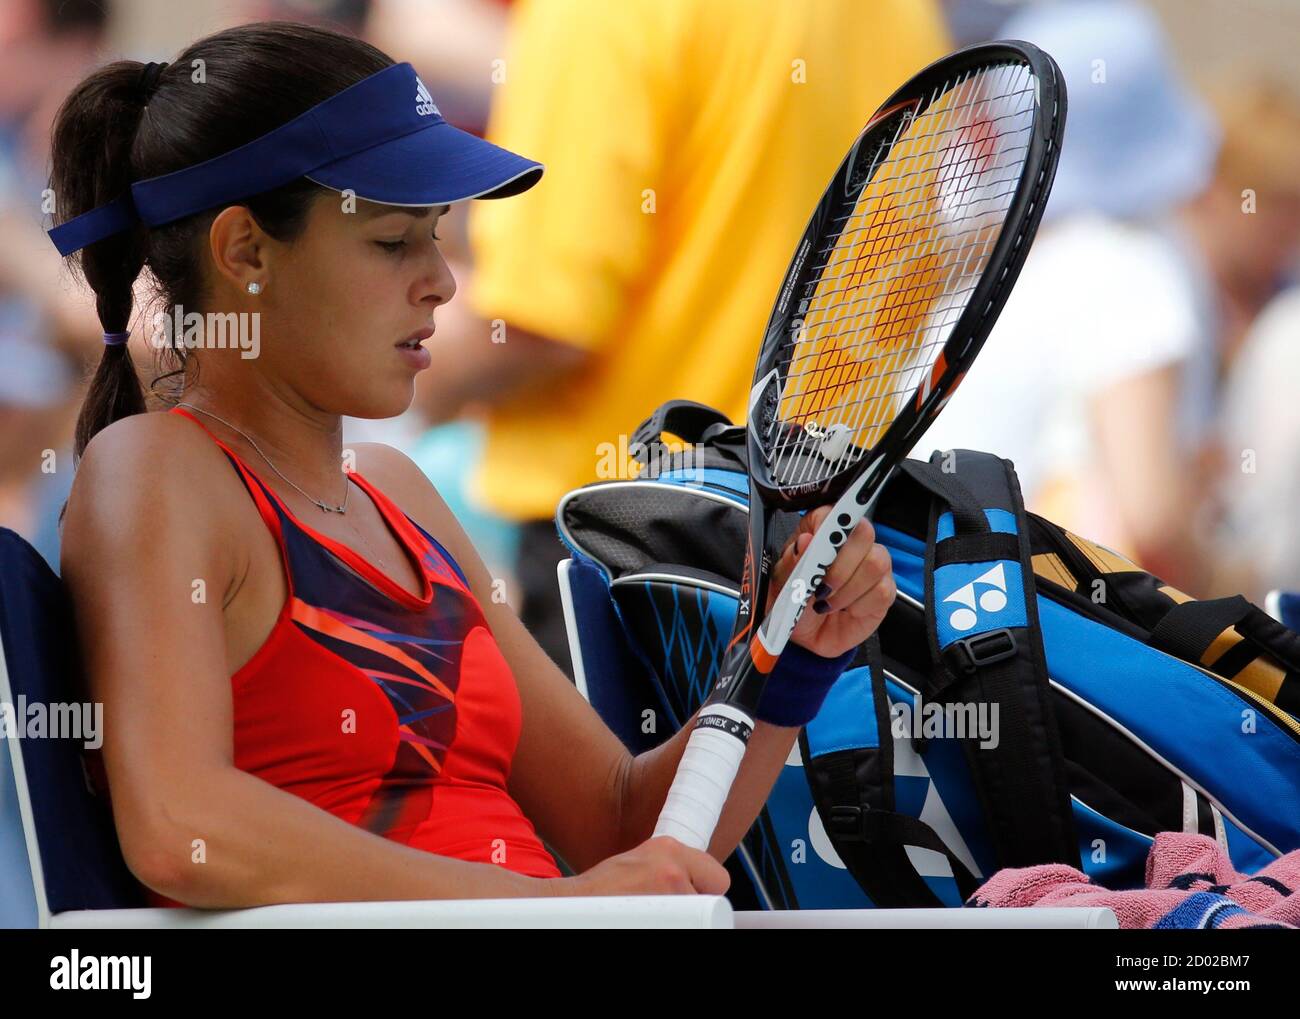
[895, 270]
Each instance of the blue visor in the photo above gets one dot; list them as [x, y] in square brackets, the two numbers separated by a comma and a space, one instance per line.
[382, 139]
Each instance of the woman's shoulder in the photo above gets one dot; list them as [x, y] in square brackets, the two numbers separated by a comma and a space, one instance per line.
[143, 473]
[399, 478]
[402, 481]
[149, 452]
[404, 484]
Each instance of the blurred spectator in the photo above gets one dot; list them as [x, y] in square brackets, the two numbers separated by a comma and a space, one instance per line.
[1249, 222]
[974, 21]
[685, 144]
[1098, 379]
[452, 43]
[1261, 438]
[44, 45]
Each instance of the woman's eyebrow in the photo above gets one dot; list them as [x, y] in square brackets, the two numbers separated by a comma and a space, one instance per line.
[416, 212]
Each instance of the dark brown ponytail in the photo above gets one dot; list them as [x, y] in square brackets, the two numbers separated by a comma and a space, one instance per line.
[93, 135]
[221, 92]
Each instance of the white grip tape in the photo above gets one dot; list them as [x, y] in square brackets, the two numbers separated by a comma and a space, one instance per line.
[704, 777]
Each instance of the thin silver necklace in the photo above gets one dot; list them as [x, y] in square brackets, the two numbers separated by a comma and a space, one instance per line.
[323, 505]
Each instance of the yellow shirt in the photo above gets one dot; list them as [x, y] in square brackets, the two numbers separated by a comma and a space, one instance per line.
[685, 143]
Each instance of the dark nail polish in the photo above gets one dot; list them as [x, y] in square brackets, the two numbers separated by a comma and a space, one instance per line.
[822, 592]
[821, 606]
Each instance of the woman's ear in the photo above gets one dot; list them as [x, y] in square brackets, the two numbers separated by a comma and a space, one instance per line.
[240, 248]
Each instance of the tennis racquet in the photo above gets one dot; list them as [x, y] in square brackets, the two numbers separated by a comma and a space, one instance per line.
[897, 280]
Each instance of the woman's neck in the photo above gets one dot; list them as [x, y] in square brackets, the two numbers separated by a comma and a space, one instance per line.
[303, 443]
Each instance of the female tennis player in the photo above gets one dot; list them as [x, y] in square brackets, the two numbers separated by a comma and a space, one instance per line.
[310, 692]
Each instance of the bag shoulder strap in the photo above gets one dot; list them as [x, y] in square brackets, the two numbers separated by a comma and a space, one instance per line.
[1236, 640]
[849, 765]
[985, 648]
[982, 624]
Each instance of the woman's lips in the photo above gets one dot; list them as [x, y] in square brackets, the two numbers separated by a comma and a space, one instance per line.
[416, 356]
[417, 336]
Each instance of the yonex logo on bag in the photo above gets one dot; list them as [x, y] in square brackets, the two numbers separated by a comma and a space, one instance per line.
[993, 599]
[424, 105]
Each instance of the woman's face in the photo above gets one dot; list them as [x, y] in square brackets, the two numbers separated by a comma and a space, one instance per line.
[342, 298]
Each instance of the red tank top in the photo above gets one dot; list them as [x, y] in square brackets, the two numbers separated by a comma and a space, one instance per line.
[393, 712]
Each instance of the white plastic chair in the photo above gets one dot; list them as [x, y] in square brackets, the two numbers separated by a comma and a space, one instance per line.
[81, 882]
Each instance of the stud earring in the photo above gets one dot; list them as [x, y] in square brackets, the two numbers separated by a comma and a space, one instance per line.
[254, 287]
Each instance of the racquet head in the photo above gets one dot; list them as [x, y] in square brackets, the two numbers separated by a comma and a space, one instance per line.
[903, 269]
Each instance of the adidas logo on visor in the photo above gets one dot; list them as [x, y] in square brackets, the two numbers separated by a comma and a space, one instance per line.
[423, 101]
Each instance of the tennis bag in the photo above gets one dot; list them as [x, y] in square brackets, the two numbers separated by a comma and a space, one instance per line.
[1031, 697]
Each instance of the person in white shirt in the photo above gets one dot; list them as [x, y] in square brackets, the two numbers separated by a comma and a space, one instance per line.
[1261, 439]
[1097, 380]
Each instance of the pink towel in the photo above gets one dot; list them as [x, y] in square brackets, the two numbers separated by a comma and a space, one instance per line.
[1190, 883]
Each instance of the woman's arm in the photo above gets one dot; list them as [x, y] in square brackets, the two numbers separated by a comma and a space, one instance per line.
[570, 772]
[862, 589]
[1153, 482]
[581, 788]
[192, 826]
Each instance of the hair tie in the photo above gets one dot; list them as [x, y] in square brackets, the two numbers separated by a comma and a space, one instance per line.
[115, 339]
[147, 83]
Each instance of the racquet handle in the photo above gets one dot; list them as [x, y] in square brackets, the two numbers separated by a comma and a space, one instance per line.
[704, 776]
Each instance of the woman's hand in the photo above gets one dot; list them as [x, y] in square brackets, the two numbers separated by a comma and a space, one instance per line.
[855, 594]
[658, 866]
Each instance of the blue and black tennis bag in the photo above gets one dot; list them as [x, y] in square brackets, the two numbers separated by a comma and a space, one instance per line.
[1031, 697]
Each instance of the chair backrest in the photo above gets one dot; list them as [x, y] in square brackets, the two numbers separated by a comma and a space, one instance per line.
[72, 846]
[610, 672]
[605, 668]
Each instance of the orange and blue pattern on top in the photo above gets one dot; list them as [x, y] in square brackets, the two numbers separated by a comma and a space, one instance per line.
[393, 711]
